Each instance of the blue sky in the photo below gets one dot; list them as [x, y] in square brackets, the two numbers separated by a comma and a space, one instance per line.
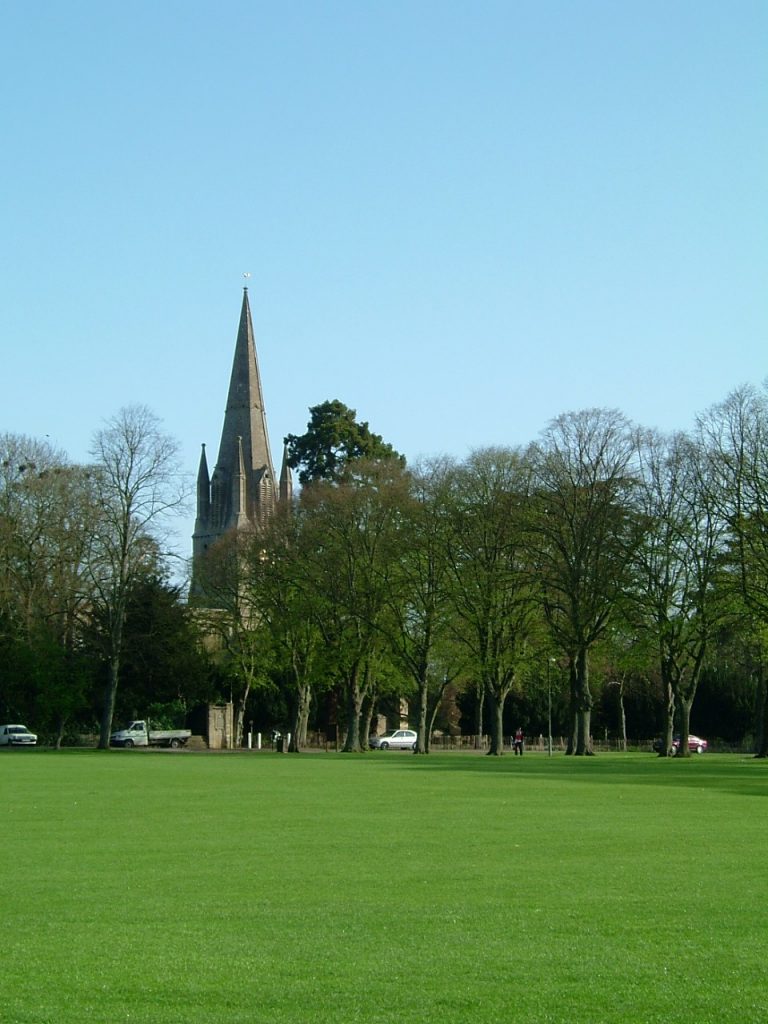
[461, 219]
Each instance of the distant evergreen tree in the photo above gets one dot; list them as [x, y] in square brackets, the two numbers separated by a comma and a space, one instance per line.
[332, 440]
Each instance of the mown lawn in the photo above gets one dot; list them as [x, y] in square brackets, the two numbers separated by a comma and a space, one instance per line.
[177, 887]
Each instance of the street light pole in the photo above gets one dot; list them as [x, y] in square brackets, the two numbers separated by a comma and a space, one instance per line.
[549, 707]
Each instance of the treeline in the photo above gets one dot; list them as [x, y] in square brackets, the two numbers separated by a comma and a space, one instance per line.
[611, 563]
[602, 577]
[85, 608]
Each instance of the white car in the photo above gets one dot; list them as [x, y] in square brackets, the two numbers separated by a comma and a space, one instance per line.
[398, 739]
[16, 736]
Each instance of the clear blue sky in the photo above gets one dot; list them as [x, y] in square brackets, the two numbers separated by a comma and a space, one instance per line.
[461, 219]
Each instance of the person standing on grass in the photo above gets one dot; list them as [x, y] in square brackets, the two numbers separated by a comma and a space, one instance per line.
[519, 741]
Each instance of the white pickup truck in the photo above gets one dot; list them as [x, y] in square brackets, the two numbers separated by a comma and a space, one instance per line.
[16, 736]
[138, 734]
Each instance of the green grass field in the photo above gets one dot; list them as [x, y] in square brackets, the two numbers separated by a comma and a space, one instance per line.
[177, 887]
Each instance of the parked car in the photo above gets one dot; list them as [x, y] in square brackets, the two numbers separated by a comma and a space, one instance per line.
[16, 736]
[696, 744]
[398, 739]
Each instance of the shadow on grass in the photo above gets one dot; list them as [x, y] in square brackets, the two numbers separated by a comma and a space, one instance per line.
[742, 774]
[735, 773]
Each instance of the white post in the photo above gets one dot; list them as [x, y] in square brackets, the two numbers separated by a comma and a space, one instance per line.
[258, 741]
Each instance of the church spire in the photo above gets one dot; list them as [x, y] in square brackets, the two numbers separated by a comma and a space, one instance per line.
[242, 489]
[245, 415]
[244, 464]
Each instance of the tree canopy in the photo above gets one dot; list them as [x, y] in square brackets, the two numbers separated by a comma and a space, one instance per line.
[504, 576]
[332, 440]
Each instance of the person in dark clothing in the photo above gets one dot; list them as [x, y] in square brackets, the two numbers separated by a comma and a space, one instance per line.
[519, 742]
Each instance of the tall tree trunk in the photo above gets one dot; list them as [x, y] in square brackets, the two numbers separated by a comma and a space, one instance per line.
[370, 709]
[116, 619]
[240, 715]
[300, 718]
[670, 701]
[623, 715]
[306, 704]
[761, 714]
[432, 715]
[667, 743]
[583, 705]
[686, 694]
[430, 726]
[496, 703]
[354, 702]
[683, 749]
[480, 708]
[422, 735]
[573, 706]
[110, 696]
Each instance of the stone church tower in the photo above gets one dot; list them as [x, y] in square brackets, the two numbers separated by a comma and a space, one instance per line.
[243, 490]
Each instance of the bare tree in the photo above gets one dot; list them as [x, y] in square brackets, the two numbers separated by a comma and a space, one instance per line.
[139, 483]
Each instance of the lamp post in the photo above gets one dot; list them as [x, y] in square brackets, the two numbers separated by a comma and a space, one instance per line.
[550, 663]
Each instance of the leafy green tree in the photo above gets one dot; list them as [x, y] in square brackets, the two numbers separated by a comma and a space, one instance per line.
[351, 545]
[625, 659]
[289, 608]
[18, 689]
[735, 433]
[164, 657]
[418, 597]
[491, 585]
[334, 439]
[678, 563]
[582, 537]
[243, 646]
[48, 511]
[731, 684]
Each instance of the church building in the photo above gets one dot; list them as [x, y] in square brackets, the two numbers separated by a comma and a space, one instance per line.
[243, 490]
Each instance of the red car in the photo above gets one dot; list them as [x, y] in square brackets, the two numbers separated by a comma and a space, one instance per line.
[696, 744]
